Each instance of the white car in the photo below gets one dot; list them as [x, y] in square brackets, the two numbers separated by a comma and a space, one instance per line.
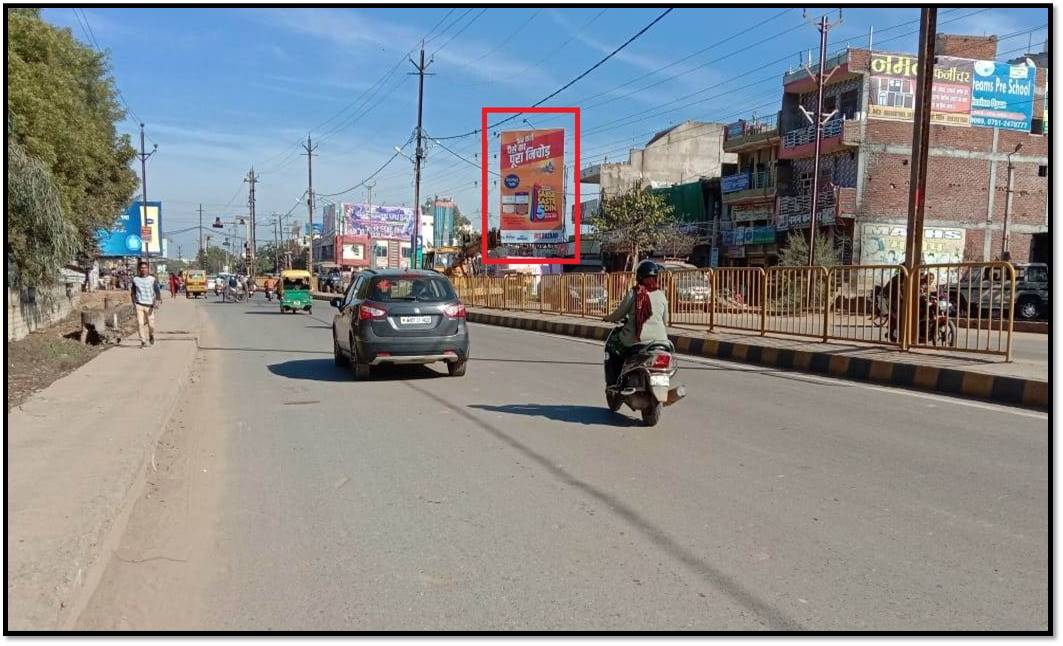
[210, 283]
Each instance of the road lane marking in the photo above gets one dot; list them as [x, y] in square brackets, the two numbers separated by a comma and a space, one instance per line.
[815, 378]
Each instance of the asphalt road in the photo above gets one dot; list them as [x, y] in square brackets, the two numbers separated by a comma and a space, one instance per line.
[512, 499]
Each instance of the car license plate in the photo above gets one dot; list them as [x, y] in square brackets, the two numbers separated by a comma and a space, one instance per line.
[658, 380]
[415, 320]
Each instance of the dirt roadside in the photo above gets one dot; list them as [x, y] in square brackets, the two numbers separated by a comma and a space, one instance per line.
[153, 579]
[44, 356]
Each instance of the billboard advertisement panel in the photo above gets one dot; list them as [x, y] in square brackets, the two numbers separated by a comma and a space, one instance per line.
[442, 223]
[532, 165]
[379, 221]
[883, 244]
[966, 92]
[133, 227]
[1002, 96]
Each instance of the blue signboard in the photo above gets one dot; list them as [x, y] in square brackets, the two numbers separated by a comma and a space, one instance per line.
[732, 183]
[123, 239]
[318, 229]
[1002, 95]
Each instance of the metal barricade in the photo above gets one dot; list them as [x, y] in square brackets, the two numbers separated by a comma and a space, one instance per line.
[865, 303]
[795, 301]
[964, 307]
[689, 293]
[737, 295]
[550, 294]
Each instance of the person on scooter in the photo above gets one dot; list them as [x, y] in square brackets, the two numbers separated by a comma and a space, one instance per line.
[644, 311]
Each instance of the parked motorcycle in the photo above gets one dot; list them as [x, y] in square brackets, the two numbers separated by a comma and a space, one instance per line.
[645, 379]
[937, 321]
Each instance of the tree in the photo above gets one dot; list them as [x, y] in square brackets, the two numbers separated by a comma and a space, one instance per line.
[633, 222]
[460, 220]
[62, 107]
[212, 259]
[795, 253]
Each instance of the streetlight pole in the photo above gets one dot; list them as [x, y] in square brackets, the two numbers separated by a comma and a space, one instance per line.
[418, 156]
[1005, 249]
[144, 192]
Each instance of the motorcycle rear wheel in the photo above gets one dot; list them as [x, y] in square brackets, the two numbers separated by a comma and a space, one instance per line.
[652, 415]
[614, 401]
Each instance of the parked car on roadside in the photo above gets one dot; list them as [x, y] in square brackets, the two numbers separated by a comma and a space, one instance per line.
[986, 290]
[397, 316]
[692, 285]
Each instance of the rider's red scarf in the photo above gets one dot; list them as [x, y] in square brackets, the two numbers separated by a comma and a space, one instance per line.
[643, 309]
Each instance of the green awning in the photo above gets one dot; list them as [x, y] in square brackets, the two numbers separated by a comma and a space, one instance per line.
[687, 200]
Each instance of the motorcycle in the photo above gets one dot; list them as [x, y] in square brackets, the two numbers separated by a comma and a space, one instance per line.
[645, 379]
[937, 321]
[269, 294]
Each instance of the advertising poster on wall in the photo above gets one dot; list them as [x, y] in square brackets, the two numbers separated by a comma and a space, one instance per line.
[532, 194]
[381, 222]
[883, 244]
[1002, 96]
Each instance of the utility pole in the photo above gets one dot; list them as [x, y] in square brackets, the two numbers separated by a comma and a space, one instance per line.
[144, 192]
[310, 148]
[1005, 249]
[200, 257]
[913, 247]
[418, 155]
[276, 243]
[822, 76]
[252, 180]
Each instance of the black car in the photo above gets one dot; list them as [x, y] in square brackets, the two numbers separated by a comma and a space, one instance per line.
[396, 316]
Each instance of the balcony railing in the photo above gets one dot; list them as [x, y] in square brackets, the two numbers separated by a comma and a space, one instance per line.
[807, 135]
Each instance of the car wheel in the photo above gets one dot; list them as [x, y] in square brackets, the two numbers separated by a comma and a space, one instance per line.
[337, 352]
[359, 370]
[652, 415]
[456, 368]
[1028, 308]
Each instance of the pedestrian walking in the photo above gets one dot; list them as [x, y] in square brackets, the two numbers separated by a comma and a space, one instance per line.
[175, 283]
[145, 294]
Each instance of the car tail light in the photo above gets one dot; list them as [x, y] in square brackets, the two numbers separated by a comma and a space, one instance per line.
[368, 313]
[380, 355]
[455, 311]
[660, 361]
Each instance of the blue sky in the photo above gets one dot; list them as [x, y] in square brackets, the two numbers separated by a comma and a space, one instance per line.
[224, 89]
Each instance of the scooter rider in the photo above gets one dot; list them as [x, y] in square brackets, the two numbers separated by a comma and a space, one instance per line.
[644, 311]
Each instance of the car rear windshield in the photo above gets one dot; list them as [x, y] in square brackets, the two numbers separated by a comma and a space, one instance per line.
[424, 289]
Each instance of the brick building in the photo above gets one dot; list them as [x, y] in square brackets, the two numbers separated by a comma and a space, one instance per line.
[864, 166]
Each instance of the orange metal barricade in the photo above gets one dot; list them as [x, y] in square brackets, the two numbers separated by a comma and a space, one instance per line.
[795, 301]
[689, 293]
[865, 303]
[737, 297]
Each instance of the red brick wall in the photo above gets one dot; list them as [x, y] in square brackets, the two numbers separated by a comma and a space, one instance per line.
[976, 47]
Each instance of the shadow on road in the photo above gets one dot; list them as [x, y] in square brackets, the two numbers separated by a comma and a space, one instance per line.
[281, 350]
[585, 415]
[682, 366]
[774, 618]
[326, 370]
[312, 369]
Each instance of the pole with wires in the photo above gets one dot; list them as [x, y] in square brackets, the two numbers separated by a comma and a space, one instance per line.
[418, 156]
[144, 193]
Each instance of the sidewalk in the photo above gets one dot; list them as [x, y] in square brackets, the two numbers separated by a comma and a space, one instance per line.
[1020, 382]
[76, 456]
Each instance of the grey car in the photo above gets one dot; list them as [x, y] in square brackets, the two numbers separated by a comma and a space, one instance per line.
[396, 316]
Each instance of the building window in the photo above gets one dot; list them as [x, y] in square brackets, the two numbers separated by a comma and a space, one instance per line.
[1042, 171]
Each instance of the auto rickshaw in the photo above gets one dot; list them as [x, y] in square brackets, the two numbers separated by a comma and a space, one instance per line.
[195, 283]
[293, 290]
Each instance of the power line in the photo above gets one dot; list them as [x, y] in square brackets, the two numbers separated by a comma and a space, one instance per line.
[374, 174]
[575, 80]
[460, 31]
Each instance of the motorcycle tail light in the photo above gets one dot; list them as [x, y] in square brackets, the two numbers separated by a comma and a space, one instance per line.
[456, 311]
[660, 361]
[369, 313]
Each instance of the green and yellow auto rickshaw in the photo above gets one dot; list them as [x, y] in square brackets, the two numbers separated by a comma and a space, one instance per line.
[293, 289]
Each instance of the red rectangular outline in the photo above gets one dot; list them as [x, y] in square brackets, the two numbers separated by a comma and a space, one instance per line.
[485, 229]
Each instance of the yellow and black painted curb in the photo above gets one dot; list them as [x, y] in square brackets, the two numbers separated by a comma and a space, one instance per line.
[1001, 389]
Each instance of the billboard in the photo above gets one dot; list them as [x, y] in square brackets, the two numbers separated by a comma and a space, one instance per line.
[883, 244]
[1002, 96]
[133, 227]
[442, 223]
[532, 178]
[965, 92]
[379, 221]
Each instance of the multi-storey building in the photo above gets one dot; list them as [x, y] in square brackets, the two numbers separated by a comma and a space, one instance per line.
[865, 153]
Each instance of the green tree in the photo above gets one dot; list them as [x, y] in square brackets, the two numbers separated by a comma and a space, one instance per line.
[212, 259]
[62, 107]
[795, 253]
[633, 222]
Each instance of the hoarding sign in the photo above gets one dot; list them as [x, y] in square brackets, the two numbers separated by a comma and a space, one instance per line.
[744, 213]
[353, 251]
[735, 129]
[379, 221]
[1002, 95]
[736, 252]
[532, 200]
[732, 183]
[965, 92]
[151, 225]
[883, 244]
[126, 237]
